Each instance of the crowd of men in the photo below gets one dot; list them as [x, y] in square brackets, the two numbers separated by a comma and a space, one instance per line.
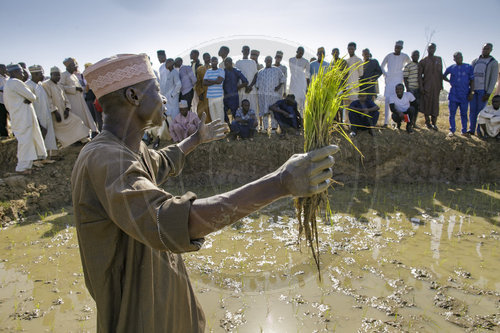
[251, 97]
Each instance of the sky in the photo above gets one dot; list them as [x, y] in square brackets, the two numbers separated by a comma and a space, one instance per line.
[46, 32]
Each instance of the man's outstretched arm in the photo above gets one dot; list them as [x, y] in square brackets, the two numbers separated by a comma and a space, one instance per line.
[302, 175]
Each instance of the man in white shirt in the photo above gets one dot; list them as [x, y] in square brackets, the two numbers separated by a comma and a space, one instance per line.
[401, 108]
[393, 74]
[355, 65]
[42, 108]
[300, 71]
[249, 69]
[162, 58]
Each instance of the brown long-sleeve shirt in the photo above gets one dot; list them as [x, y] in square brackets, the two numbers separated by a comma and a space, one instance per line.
[130, 234]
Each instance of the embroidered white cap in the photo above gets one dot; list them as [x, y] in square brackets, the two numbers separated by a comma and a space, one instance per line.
[117, 72]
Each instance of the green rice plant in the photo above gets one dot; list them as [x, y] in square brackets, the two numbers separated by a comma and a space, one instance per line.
[326, 95]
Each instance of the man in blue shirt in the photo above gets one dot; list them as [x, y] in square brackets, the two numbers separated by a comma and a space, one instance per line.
[462, 87]
[213, 79]
[233, 81]
[314, 67]
[369, 117]
[287, 115]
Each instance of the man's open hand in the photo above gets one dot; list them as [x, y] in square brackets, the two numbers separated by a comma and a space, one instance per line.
[306, 174]
[215, 130]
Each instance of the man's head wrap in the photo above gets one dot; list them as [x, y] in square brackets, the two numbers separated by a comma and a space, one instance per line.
[183, 104]
[117, 72]
[160, 52]
[55, 69]
[279, 53]
[13, 67]
[256, 52]
[35, 69]
[400, 43]
[321, 49]
[67, 61]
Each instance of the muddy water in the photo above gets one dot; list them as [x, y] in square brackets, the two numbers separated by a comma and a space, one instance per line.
[393, 258]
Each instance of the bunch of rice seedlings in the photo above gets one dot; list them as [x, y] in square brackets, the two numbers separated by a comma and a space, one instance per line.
[325, 97]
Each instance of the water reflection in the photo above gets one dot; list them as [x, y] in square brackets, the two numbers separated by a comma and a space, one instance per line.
[436, 231]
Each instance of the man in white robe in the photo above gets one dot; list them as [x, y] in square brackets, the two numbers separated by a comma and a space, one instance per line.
[173, 89]
[68, 128]
[42, 108]
[269, 82]
[300, 74]
[392, 68]
[162, 58]
[18, 100]
[74, 92]
[248, 68]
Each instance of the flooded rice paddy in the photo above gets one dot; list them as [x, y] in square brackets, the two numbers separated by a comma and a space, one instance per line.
[416, 258]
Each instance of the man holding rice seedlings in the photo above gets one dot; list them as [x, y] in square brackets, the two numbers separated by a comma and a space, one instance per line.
[300, 71]
[395, 62]
[401, 109]
[130, 231]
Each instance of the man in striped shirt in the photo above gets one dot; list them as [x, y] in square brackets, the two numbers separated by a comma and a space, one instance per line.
[410, 76]
[213, 79]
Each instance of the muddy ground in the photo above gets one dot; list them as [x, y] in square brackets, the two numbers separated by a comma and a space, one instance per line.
[394, 258]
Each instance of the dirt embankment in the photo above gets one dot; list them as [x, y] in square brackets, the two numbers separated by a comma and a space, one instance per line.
[390, 156]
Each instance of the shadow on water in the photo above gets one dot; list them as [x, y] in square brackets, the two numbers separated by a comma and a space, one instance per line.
[410, 200]
[414, 199]
[58, 221]
[358, 200]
